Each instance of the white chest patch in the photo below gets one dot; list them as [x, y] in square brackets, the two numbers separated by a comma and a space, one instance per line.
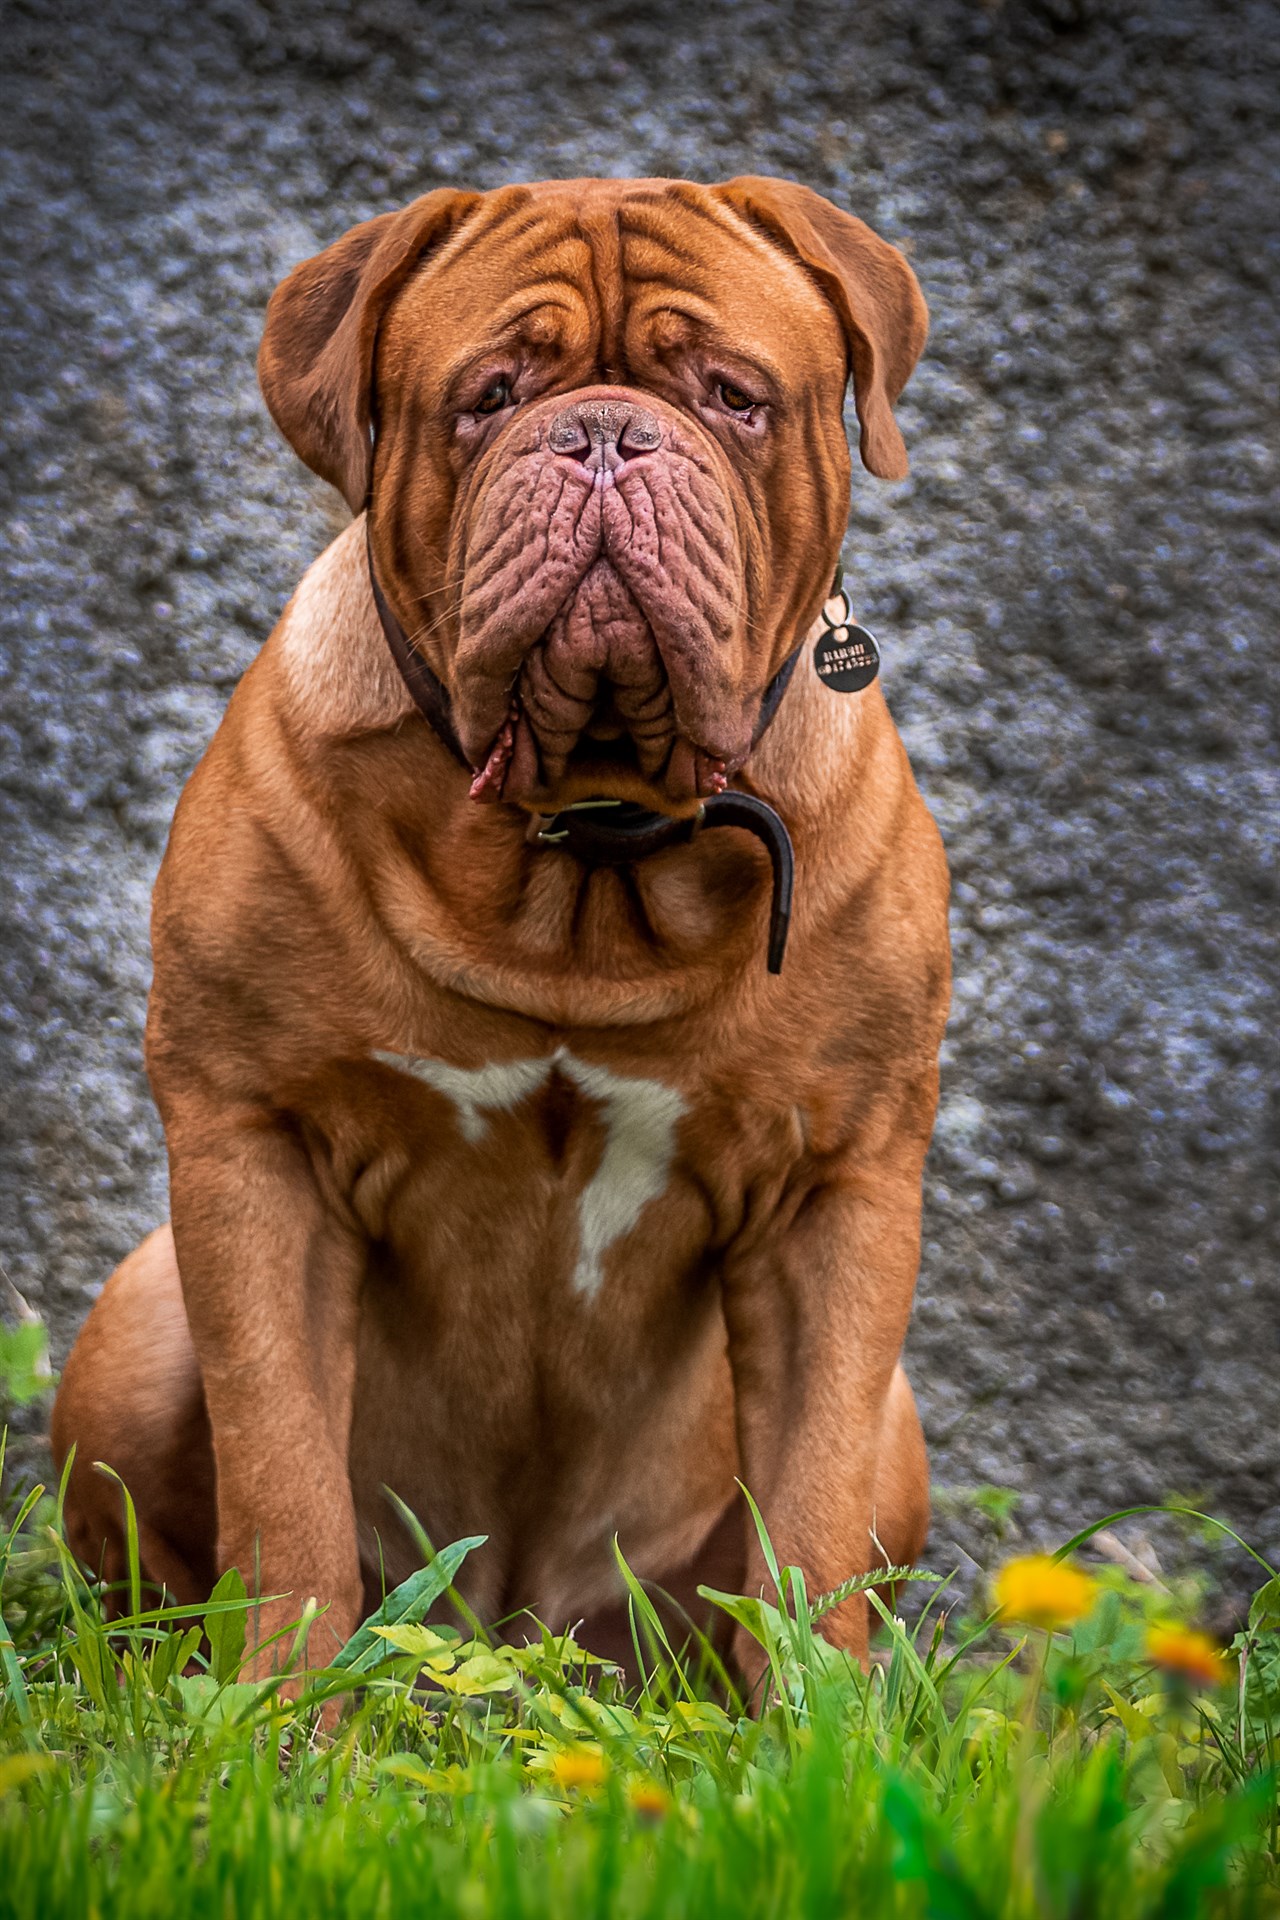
[640, 1118]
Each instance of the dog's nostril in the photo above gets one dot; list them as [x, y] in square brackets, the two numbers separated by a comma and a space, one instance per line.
[639, 434]
[567, 434]
[603, 433]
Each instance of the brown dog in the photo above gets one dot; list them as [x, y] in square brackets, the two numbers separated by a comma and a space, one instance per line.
[505, 1175]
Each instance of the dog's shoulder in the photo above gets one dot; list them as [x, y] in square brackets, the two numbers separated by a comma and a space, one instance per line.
[329, 663]
[323, 678]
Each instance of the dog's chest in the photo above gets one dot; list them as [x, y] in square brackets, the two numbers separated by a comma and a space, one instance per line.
[551, 1156]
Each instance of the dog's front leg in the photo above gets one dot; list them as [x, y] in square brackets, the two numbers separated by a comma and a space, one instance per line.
[827, 1433]
[270, 1278]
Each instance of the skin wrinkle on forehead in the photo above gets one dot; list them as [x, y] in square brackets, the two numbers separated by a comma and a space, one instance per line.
[599, 254]
[653, 251]
[541, 324]
[613, 270]
[484, 223]
[604, 249]
[452, 296]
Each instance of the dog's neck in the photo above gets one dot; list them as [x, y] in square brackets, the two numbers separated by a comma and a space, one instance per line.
[608, 833]
[824, 761]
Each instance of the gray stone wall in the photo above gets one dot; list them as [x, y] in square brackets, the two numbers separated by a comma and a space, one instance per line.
[1075, 592]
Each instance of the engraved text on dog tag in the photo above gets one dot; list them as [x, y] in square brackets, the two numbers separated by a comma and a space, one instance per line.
[846, 656]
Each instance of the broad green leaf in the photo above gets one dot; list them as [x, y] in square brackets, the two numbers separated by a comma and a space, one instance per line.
[1166, 1752]
[561, 1648]
[1264, 1611]
[93, 1662]
[483, 1673]
[1138, 1726]
[761, 1621]
[485, 1666]
[24, 1363]
[447, 1779]
[216, 1703]
[16, 1768]
[407, 1602]
[699, 1716]
[431, 1648]
[171, 1656]
[558, 1707]
[225, 1628]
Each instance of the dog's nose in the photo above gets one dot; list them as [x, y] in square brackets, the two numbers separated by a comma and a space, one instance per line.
[603, 434]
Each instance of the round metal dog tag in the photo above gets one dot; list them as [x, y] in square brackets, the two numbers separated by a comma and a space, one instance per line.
[847, 658]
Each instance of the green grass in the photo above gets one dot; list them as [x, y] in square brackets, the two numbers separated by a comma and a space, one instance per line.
[977, 1770]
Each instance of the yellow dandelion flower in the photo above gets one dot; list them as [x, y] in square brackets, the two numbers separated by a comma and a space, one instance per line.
[1189, 1656]
[650, 1801]
[1036, 1591]
[578, 1767]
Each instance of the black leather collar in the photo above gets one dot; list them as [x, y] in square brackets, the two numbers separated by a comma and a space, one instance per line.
[431, 696]
[615, 833]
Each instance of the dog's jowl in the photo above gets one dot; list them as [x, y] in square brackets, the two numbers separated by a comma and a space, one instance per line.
[549, 968]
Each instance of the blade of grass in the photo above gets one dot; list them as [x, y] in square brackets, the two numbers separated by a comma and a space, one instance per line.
[766, 1544]
[469, 1619]
[15, 1684]
[1186, 1513]
[133, 1556]
[226, 1623]
[646, 1612]
[20, 1520]
[901, 1638]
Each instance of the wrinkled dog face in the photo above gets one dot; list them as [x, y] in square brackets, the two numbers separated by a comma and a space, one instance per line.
[610, 473]
[601, 567]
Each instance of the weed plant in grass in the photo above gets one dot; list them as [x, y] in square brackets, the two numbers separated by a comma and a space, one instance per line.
[1080, 1753]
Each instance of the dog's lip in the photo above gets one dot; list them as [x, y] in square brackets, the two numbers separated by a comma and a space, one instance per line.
[543, 757]
[603, 764]
[613, 746]
[598, 789]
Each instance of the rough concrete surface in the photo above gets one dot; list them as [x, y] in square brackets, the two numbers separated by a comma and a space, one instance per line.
[1074, 592]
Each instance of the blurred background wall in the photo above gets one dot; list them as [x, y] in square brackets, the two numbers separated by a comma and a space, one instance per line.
[1075, 593]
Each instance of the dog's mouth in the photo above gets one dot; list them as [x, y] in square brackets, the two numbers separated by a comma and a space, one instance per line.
[602, 763]
[592, 715]
[602, 637]
[612, 753]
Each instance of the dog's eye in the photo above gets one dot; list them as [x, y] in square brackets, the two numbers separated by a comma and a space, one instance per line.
[734, 398]
[494, 398]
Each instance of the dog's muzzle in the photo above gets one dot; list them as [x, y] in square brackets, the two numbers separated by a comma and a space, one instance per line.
[619, 833]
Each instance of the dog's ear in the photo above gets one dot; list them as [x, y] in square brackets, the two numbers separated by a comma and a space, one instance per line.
[873, 290]
[315, 365]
